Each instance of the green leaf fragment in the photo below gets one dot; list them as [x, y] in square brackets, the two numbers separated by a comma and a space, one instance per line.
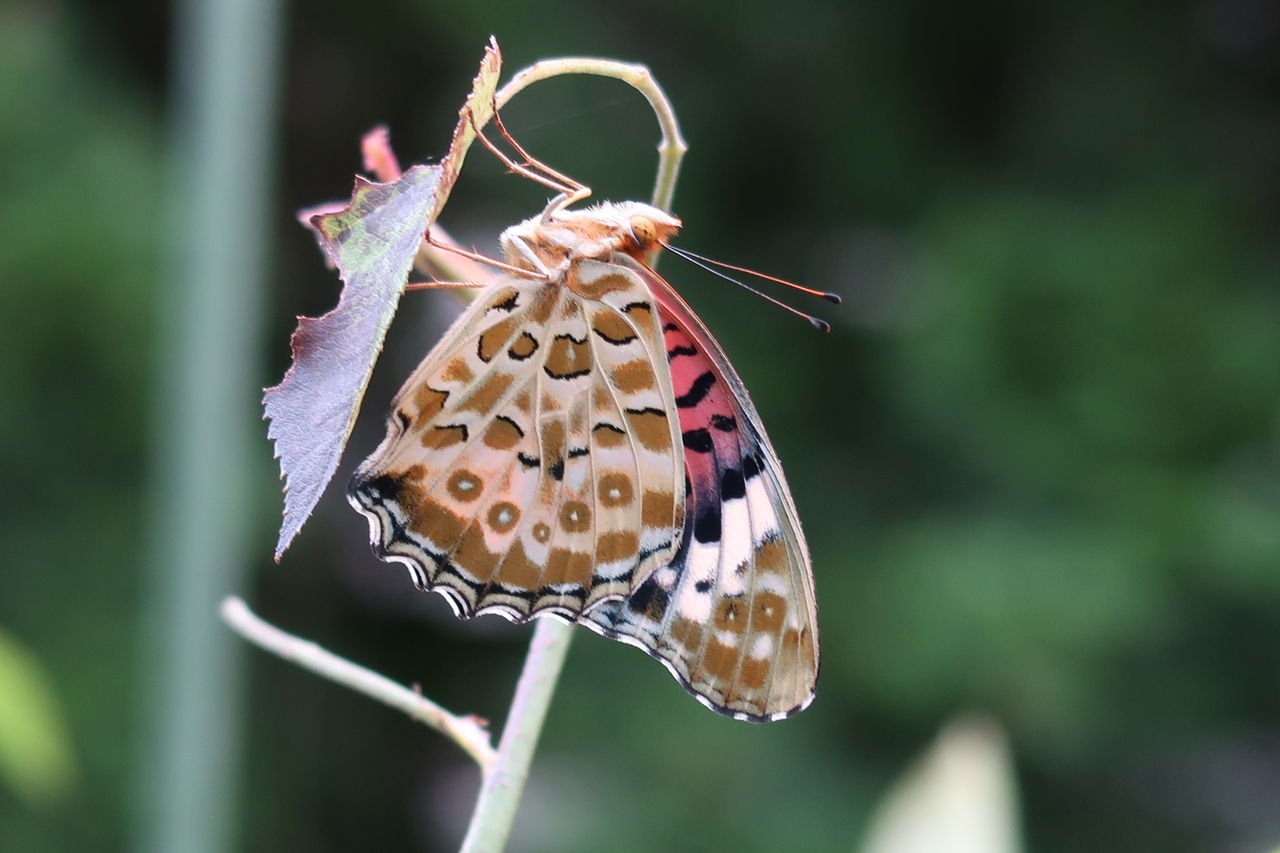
[35, 749]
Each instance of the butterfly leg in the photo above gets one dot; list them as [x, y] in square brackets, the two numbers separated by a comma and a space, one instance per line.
[574, 190]
[539, 273]
[532, 257]
[446, 285]
[568, 190]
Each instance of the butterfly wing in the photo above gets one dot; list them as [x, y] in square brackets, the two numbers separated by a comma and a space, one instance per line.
[733, 616]
[530, 464]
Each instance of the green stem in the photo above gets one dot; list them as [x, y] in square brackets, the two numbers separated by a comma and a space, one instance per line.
[504, 783]
[672, 148]
[225, 57]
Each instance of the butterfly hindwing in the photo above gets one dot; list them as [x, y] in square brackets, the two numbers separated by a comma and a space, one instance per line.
[733, 615]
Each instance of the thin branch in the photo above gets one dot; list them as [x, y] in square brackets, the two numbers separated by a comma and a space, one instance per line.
[464, 731]
[503, 785]
[672, 148]
[500, 793]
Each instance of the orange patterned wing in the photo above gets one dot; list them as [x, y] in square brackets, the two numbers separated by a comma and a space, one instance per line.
[733, 616]
[578, 445]
[531, 461]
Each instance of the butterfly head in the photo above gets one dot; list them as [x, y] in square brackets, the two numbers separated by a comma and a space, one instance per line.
[647, 228]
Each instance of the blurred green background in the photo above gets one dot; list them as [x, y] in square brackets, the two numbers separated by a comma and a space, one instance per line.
[1038, 458]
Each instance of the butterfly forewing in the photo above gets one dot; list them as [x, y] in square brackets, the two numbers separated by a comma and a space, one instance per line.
[530, 464]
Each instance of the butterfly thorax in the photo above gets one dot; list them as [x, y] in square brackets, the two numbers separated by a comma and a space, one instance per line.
[553, 243]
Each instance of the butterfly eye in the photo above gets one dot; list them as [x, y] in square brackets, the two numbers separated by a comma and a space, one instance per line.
[644, 231]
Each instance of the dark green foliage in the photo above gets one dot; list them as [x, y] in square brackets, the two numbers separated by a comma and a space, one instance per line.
[1037, 459]
[79, 242]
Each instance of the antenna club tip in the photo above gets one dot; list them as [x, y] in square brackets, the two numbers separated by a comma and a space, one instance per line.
[833, 298]
[820, 325]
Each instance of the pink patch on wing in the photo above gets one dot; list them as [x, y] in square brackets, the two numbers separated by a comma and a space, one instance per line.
[704, 407]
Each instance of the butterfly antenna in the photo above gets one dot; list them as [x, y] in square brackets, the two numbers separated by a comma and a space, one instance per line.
[698, 261]
[823, 294]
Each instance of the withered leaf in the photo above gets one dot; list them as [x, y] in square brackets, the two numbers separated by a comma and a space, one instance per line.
[372, 242]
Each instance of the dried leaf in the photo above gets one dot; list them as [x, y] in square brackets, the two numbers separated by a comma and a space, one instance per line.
[372, 241]
[379, 160]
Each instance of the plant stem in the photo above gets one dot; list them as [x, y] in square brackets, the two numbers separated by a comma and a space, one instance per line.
[672, 148]
[505, 770]
[464, 731]
[504, 783]
[225, 58]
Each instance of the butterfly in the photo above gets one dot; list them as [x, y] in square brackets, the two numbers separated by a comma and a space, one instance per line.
[578, 445]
